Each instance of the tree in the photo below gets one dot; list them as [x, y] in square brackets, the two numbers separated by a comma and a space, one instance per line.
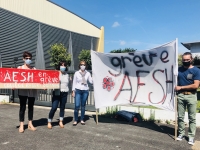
[85, 55]
[58, 53]
[126, 50]
[179, 60]
[196, 61]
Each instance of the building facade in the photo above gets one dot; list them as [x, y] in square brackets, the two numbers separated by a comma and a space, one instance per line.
[19, 22]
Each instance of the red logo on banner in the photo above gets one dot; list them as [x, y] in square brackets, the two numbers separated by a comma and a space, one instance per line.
[108, 83]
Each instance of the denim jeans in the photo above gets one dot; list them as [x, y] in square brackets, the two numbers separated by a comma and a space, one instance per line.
[23, 100]
[56, 99]
[81, 97]
[189, 101]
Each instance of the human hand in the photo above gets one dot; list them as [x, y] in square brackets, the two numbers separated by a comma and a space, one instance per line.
[178, 88]
[73, 94]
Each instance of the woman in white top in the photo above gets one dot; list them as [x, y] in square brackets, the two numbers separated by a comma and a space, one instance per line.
[60, 95]
[80, 91]
[25, 94]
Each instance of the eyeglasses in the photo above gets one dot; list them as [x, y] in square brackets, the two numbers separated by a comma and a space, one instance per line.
[28, 58]
[82, 64]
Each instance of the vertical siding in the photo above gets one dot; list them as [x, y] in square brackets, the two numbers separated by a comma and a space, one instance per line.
[19, 33]
[49, 13]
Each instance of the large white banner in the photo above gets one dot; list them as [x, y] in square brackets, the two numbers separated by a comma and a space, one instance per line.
[142, 77]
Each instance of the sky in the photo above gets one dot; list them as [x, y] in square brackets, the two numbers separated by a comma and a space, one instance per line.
[140, 24]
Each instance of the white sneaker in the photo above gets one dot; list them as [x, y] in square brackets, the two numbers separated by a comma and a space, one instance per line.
[180, 138]
[191, 141]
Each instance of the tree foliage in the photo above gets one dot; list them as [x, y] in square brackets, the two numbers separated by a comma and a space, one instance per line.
[179, 60]
[196, 60]
[126, 50]
[58, 53]
[85, 55]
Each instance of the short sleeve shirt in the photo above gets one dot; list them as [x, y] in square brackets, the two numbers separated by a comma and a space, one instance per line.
[186, 76]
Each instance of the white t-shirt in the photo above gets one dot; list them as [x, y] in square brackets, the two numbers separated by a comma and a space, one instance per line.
[64, 81]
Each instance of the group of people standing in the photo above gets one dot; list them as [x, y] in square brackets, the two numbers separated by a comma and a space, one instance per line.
[188, 82]
[80, 92]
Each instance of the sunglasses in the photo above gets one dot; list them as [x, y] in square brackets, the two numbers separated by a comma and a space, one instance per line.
[28, 58]
[82, 64]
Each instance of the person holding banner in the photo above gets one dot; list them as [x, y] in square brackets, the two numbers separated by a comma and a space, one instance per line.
[26, 94]
[188, 82]
[80, 91]
[60, 95]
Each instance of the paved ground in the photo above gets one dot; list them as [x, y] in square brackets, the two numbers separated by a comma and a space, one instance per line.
[109, 134]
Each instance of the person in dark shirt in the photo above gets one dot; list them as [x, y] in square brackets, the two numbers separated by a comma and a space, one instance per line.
[188, 82]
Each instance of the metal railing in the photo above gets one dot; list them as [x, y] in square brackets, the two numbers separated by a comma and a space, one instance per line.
[45, 96]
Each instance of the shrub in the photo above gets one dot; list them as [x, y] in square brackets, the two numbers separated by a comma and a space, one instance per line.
[58, 53]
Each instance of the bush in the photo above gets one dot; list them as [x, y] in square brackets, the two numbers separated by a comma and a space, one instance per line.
[85, 55]
[58, 53]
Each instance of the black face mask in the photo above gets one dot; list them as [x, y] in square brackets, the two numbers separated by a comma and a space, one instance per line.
[186, 63]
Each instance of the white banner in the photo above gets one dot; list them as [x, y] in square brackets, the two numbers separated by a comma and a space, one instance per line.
[142, 77]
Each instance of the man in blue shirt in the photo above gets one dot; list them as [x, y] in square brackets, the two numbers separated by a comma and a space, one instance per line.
[188, 82]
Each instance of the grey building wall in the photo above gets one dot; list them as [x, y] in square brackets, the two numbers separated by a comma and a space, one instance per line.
[19, 34]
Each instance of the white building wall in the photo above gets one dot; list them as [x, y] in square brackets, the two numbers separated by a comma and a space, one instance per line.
[51, 14]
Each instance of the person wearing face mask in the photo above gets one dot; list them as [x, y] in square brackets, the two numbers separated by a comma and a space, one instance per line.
[60, 95]
[26, 94]
[188, 82]
[80, 91]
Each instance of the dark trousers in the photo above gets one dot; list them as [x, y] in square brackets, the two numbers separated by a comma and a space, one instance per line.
[23, 100]
[62, 99]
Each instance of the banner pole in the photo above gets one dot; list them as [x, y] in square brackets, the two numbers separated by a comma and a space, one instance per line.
[175, 118]
[176, 75]
[97, 117]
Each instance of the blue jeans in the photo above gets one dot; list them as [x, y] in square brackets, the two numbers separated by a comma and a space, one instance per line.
[81, 97]
[62, 99]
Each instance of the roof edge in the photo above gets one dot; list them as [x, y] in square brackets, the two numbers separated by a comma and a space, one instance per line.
[73, 13]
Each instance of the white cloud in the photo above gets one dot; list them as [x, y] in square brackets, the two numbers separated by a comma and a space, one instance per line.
[121, 42]
[115, 24]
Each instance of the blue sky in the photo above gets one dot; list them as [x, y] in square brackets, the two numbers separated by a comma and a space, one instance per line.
[140, 24]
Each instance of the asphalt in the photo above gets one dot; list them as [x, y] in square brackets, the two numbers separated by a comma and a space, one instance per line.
[109, 134]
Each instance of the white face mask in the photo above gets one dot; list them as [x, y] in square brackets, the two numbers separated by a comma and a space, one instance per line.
[28, 61]
[82, 67]
[62, 68]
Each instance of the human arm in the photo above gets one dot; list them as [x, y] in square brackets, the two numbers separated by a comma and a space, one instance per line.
[193, 86]
[90, 78]
[74, 85]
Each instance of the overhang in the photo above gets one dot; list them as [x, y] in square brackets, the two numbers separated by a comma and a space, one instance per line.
[188, 45]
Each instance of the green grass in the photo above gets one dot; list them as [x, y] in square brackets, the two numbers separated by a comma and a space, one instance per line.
[152, 107]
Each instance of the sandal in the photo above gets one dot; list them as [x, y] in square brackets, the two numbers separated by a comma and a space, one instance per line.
[31, 127]
[21, 130]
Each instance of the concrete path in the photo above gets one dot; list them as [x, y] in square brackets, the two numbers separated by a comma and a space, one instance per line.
[109, 134]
